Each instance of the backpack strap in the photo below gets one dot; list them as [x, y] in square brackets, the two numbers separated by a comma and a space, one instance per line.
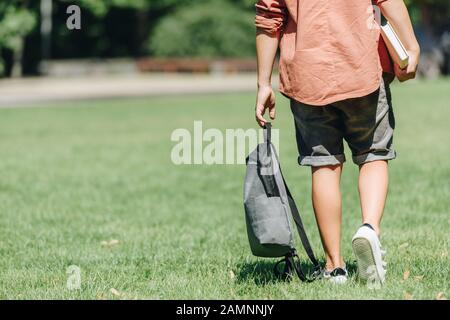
[268, 137]
[289, 267]
[301, 229]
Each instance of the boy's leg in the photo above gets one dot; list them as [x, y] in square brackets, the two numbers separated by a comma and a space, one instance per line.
[326, 198]
[369, 127]
[373, 187]
[370, 124]
[320, 144]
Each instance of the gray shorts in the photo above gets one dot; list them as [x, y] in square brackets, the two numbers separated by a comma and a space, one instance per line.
[366, 123]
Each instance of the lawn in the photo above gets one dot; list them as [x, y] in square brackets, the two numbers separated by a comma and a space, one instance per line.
[91, 184]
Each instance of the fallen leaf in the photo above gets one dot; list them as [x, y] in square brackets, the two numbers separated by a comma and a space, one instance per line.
[441, 296]
[110, 243]
[99, 296]
[406, 275]
[407, 296]
[418, 278]
[114, 292]
[403, 245]
[232, 275]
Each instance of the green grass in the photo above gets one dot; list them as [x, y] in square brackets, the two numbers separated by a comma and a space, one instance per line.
[73, 176]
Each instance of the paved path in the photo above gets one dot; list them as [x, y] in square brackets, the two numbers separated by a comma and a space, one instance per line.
[35, 91]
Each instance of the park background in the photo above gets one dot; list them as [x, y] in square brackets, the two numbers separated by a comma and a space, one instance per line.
[86, 179]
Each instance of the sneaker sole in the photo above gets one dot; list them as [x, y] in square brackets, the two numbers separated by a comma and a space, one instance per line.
[365, 259]
[368, 256]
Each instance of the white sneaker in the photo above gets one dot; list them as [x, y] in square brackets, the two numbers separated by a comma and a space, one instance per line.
[336, 276]
[369, 256]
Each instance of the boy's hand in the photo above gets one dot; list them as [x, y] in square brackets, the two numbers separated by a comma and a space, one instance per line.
[410, 71]
[264, 100]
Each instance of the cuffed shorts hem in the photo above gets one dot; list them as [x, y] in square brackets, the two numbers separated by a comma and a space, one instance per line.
[318, 161]
[375, 155]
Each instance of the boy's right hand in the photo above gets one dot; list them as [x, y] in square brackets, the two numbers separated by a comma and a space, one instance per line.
[410, 71]
[265, 99]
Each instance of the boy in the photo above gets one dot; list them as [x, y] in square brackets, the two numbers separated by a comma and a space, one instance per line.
[330, 69]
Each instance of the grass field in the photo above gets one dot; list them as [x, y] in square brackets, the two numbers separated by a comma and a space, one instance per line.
[75, 177]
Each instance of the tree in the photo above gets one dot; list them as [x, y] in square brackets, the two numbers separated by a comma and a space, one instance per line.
[16, 21]
[101, 7]
[215, 28]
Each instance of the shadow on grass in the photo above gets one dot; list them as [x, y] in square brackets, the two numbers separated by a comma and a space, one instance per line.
[262, 272]
[352, 267]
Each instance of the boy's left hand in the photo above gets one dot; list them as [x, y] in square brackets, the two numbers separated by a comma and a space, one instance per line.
[410, 71]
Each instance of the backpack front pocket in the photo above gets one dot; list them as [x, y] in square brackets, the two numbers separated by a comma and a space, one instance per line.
[269, 220]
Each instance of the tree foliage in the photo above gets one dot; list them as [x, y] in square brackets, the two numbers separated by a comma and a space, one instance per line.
[101, 7]
[205, 29]
[172, 27]
[16, 21]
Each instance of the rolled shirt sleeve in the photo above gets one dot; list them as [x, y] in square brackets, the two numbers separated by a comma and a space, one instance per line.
[270, 15]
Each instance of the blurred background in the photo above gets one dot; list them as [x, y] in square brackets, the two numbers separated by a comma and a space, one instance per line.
[144, 36]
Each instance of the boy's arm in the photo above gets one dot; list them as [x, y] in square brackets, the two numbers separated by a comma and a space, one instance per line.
[266, 50]
[396, 13]
[270, 15]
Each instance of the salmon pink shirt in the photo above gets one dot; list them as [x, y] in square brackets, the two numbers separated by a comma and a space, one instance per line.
[328, 48]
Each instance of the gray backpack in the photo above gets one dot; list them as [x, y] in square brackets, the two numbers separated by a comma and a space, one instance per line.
[268, 207]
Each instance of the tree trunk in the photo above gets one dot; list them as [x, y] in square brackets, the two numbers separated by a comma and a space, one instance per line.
[17, 60]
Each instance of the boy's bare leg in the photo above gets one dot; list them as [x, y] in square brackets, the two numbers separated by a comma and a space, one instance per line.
[326, 198]
[373, 187]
